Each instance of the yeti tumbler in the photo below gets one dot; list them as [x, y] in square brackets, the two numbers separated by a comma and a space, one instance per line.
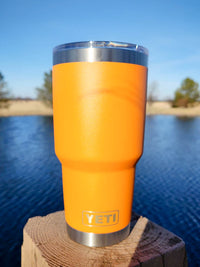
[99, 99]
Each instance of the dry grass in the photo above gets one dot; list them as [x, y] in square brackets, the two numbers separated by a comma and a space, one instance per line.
[26, 107]
[166, 109]
[36, 107]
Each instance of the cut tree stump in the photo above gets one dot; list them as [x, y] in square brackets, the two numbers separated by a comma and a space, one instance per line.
[46, 243]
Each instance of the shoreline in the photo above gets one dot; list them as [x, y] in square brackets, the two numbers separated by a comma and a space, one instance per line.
[164, 108]
[25, 108]
[36, 107]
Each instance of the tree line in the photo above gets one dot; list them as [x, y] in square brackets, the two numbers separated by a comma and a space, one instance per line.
[187, 94]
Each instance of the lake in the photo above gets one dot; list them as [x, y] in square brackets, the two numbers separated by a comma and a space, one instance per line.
[167, 189]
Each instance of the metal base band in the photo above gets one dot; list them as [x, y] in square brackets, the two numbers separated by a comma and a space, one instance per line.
[98, 240]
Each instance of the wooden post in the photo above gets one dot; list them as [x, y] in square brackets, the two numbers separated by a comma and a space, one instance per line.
[46, 243]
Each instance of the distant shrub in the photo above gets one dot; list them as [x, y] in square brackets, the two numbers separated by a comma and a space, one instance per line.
[182, 102]
[187, 94]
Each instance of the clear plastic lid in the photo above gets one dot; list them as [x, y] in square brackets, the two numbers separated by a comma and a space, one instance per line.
[102, 44]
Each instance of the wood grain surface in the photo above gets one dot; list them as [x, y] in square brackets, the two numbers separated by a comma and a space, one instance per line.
[46, 243]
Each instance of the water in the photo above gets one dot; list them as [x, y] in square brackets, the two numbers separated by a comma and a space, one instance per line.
[167, 187]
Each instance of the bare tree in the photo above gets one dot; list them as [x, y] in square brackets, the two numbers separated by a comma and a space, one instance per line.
[152, 92]
[4, 93]
[45, 92]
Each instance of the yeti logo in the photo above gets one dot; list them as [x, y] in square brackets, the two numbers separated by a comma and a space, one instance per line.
[94, 218]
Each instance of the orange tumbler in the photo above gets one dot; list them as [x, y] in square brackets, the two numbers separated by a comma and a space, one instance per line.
[99, 98]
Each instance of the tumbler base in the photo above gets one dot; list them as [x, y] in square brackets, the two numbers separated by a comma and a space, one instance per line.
[98, 240]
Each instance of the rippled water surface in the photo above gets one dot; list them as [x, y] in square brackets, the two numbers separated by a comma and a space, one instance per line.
[167, 188]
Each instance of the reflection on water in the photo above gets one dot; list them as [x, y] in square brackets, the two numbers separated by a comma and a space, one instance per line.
[166, 189]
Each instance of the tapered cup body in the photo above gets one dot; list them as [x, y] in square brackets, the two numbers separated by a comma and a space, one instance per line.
[99, 98]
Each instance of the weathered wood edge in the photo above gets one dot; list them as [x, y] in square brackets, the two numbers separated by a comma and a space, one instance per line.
[161, 255]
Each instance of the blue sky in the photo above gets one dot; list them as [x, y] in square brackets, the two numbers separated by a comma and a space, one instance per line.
[30, 30]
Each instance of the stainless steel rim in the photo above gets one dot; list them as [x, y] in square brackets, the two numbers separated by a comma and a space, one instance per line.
[98, 240]
[94, 51]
